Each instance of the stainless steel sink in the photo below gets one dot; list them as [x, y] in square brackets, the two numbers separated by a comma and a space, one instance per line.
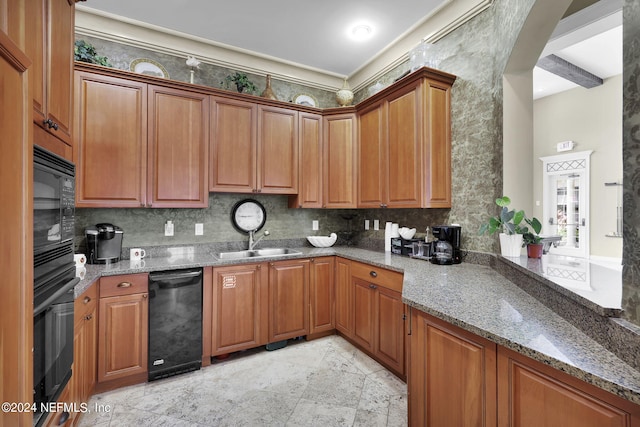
[257, 253]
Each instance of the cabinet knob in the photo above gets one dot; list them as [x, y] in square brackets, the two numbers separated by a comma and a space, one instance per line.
[88, 317]
[373, 273]
[372, 286]
[86, 300]
[51, 124]
[312, 260]
[124, 284]
[145, 296]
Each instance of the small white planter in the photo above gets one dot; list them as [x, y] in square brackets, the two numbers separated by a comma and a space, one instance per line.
[510, 244]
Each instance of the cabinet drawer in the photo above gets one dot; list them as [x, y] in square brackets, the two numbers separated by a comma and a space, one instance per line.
[379, 276]
[85, 303]
[125, 284]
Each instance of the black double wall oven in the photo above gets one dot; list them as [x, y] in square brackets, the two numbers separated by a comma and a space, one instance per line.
[54, 277]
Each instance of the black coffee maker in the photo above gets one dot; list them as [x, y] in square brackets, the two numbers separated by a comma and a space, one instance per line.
[104, 243]
[446, 250]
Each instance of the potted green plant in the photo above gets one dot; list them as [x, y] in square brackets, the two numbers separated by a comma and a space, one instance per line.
[512, 225]
[242, 83]
[532, 239]
[85, 52]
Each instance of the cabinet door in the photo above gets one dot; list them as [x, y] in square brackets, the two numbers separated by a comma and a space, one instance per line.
[111, 141]
[340, 161]
[178, 148]
[404, 148]
[437, 191]
[233, 146]
[532, 394]
[344, 297]
[240, 312]
[451, 375]
[364, 323]
[310, 167]
[277, 150]
[288, 299]
[85, 345]
[321, 295]
[390, 328]
[35, 45]
[59, 67]
[122, 336]
[372, 157]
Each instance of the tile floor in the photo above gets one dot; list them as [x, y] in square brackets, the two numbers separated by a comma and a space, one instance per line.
[325, 382]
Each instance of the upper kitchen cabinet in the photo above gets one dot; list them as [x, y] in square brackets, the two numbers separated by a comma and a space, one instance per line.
[178, 148]
[50, 46]
[404, 144]
[254, 148]
[310, 193]
[110, 126]
[340, 160]
[155, 140]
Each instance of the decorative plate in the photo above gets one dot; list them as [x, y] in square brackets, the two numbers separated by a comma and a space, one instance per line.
[304, 99]
[148, 67]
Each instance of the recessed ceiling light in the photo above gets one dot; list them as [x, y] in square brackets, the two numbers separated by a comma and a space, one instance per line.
[361, 32]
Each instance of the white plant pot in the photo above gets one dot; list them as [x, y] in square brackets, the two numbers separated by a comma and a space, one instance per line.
[510, 244]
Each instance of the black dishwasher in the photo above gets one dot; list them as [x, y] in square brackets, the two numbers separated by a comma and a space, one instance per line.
[175, 322]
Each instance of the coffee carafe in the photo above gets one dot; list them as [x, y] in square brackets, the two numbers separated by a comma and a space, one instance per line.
[446, 250]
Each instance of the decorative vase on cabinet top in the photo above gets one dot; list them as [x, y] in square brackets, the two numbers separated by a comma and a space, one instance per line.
[344, 96]
[268, 92]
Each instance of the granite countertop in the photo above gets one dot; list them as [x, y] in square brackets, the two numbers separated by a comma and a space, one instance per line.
[471, 296]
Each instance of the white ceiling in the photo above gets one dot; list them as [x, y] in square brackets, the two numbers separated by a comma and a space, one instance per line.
[316, 34]
[312, 33]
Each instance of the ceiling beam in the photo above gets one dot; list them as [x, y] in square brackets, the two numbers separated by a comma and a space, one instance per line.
[565, 69]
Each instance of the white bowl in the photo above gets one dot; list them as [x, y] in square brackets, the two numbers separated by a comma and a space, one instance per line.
[407, 233]
[323, 241]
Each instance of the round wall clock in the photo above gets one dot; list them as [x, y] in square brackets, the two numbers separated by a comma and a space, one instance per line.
[248, 215]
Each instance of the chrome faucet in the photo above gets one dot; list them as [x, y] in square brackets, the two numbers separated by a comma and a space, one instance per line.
[252, 243]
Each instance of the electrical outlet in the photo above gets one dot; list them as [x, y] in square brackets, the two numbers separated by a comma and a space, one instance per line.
[199, 229]
[314, 225]
[168, 228]
[376, 224]
[366, 224]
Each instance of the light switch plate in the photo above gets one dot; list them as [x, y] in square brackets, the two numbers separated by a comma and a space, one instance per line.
[366, 224]
[376, 224]
[168, 228]
[314, 225]
[199, 229]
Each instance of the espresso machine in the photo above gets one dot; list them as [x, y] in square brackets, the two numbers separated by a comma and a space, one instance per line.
[104, 243]
[446, 249]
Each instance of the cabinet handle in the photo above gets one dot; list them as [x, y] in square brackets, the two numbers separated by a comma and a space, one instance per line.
[373, 273]
[145, 296]
[312, 260]
[124, 284]
[372, 286]
[88, 317]
[86, 300]
[142, 205]
[63, 418]
[51, 124]
[259, 266]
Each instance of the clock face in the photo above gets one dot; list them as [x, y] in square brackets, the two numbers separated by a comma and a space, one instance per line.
[248, 215]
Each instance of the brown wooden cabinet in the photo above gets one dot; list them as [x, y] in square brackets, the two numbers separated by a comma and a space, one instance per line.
[379, 314]
[310, 194]
[404, 155]
[533, 394]
[155, 140]
[339, 160]
[50, 45]
[344, 297]
[254, 148]
[123, 330]
[239, 317]
[85, 345]
[178, 148]
[451, 375]
[321, 295]
[288, 299]
[65, 416]
[111, 141]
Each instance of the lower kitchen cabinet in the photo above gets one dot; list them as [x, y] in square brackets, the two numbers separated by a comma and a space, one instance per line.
[451, 375]
[344, 297]
[65, 416]
[321, 295]
[379, 314]
[533, 394]
[123, 330]
[240, 308]
[288, 299]
[85, 345]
